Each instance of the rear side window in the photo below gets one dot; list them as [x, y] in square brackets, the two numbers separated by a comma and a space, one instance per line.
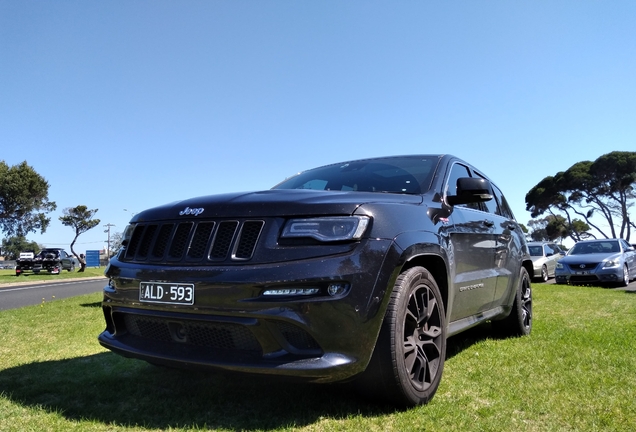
[490, 205]
[504, 208]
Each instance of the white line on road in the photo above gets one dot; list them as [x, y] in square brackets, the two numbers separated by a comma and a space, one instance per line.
[39, 286]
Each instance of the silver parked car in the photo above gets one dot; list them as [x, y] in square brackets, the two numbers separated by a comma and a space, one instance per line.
[611, 261]
[544, 258]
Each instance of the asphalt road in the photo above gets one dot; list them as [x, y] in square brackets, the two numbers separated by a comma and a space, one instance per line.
[19, 295]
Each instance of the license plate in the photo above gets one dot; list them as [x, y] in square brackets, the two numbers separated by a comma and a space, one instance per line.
[582, 272]
[165, 292]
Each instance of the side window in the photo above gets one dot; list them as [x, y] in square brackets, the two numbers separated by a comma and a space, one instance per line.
[504, 208]
[458, 171]
[625, 244]
[549, 250]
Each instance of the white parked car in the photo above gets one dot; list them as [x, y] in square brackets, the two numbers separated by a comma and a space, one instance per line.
[544, 258]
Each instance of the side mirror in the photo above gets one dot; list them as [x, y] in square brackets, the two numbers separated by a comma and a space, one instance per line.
[470, 190]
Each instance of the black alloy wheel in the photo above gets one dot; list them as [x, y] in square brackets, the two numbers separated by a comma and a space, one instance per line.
[519, 321]
[407, 364]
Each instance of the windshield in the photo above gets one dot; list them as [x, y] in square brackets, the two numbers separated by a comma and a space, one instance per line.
[609, 246]
[408, 175]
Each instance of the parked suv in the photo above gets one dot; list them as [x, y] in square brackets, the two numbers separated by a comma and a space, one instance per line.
[355, 271]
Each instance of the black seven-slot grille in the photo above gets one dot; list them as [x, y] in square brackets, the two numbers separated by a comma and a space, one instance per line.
[192, 242]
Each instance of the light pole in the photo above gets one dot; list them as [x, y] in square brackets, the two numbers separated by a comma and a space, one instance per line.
[108, 243]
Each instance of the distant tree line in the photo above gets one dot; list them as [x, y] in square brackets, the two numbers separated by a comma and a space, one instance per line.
[24, 204]
[570, 199]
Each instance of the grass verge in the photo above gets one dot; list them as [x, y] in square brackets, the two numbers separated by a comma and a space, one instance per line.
[9, 277]
[575, 372]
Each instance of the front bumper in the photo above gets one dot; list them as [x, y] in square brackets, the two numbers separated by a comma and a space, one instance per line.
[232, 326]
[602, 276]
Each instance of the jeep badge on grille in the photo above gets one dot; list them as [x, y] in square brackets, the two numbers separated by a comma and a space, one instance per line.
[191, 211]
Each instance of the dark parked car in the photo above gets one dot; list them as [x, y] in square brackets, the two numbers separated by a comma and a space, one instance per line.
[544, 258]
[354, 271]
[609, 261]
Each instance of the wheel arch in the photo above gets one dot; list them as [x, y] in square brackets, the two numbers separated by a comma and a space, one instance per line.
[528, 266]
[436, 264]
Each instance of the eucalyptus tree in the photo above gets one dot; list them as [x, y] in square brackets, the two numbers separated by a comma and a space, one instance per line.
[602, 188]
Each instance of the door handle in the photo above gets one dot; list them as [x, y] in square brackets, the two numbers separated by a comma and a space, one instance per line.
[489, 223]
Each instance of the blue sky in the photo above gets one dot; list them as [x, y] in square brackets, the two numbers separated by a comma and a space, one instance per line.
[133, 104]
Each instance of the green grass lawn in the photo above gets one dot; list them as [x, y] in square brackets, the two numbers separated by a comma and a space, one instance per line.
[575, 372]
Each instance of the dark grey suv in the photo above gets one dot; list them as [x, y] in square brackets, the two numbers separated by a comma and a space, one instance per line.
[357, 271]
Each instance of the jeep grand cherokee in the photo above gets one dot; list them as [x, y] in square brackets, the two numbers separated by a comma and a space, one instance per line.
[357, 271]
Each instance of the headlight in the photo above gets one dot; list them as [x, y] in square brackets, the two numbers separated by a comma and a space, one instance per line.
[327, 229]
[559, 265]
[610, 263]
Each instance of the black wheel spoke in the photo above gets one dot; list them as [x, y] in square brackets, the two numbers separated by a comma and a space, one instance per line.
[410, 353]
[526, 304]
[423, 335]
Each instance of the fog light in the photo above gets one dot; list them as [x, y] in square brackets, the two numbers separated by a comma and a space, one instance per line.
[335, 289]
[291, 292]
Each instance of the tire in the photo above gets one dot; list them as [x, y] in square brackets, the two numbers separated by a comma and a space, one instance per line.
[544, 274]
[408, 360]
[625, 280]
[71, 268]
[519, 321]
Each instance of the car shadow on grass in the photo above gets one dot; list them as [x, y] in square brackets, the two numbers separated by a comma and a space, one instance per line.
[458, 343]
[92, 305]
[112, 390]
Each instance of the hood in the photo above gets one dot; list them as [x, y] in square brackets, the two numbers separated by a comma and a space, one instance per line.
[276, 202]
[588, 258]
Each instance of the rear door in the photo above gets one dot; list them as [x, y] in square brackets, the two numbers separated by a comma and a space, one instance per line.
[511, 248]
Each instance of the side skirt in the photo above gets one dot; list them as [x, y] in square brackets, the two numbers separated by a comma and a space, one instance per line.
[465, 323]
